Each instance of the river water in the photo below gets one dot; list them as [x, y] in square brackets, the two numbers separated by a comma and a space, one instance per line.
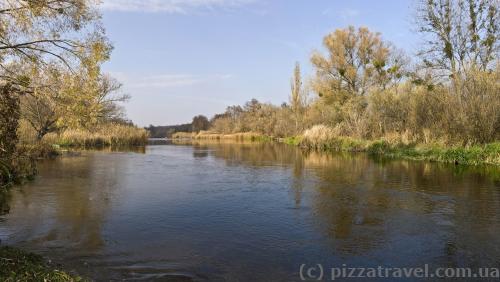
[251, 212]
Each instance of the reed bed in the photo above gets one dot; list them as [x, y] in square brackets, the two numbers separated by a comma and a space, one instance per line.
[105, 135]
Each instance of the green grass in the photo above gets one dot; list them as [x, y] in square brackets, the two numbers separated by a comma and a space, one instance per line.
[294, 140]
[471, 155]
[17, 265]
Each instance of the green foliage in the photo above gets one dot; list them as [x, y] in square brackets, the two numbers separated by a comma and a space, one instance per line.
[17, 265]
[294, 140]
[379, 147]
[474, 155]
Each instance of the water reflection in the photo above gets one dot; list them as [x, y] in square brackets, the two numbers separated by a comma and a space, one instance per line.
[251, 211]
[355, 199]
[67, 204]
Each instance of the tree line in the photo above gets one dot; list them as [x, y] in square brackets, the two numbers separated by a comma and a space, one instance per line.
[365, 87]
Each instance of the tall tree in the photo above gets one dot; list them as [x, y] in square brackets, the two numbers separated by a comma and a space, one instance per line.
[297, 99]
[459, 33]
[357, 60]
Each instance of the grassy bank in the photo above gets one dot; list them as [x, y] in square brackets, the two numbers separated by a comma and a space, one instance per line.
[17, 265]
[105, 135]
[323, 138]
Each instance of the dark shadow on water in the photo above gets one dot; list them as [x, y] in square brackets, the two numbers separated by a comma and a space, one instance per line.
[4, 202]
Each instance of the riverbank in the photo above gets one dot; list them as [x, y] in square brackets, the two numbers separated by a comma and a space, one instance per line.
[317, 139]
[472, 155]
[323, 138]
[18, 265]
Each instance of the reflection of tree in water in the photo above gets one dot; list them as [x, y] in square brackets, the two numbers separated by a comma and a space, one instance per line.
[124, 148]
[200, 151]
[70, 198]
[467, 202]
[346, 209]
[298, 177]
[362, 204]
[256, 154]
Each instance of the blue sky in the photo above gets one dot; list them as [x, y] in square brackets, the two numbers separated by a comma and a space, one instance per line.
[180, 58]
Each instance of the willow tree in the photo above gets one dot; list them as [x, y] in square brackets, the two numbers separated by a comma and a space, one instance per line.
[357, 60]
[459, 34]
[33, 36]
[62, 99]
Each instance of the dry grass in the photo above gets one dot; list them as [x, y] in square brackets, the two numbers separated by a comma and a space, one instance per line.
[208, 135]
[104, 135]
[183, 135]
[243, 136]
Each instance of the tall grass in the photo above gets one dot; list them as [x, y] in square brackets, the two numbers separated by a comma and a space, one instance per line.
[183, 135]
[104, 135]
[322, 137]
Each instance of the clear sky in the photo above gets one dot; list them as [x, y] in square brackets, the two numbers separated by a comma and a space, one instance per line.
[180, 58]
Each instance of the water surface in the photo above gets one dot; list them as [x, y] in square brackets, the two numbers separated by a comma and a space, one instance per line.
[251, 212]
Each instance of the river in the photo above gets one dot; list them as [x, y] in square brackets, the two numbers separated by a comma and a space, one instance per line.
[251, 212]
